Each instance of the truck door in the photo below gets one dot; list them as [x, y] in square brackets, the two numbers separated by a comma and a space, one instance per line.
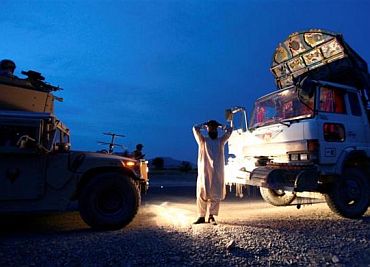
[357, 121]
[22, 169]
[341, 123]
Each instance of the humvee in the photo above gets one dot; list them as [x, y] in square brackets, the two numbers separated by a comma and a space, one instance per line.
[40, 173]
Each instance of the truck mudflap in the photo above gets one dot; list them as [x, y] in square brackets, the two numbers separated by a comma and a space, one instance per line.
[297, 180]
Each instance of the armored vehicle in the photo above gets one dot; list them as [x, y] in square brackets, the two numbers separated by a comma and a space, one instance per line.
[311, 136]
[39, 172]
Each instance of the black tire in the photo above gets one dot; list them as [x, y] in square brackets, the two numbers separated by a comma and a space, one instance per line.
[349, 195]
[109, 201]
[277, 197]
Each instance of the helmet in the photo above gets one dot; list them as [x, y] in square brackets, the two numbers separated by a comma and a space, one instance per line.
[7, 64]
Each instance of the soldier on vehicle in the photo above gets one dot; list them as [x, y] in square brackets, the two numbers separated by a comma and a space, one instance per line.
[138, 154]
[7, 68]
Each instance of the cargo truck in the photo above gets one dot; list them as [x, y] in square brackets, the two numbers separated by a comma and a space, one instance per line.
[311, 135]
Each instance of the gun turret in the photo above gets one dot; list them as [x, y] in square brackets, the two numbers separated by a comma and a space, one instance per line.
[30, 94]
[37, 81]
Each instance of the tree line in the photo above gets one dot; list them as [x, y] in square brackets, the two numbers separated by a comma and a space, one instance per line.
[158, 164]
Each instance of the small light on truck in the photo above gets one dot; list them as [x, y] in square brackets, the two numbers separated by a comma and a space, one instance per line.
[144, 169]
[304, 157]
[294, 157]
[313, 145]
[128, 164]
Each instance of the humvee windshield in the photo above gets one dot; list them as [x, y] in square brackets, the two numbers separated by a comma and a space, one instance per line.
[282, 106]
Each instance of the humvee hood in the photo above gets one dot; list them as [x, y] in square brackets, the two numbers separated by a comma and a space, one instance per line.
[102, 155]
[81, 160]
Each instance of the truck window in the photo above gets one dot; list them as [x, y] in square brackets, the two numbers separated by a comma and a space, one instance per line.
[65, 138]
[334, 132]
[354, 104]
[280, 106]
[10, 134]
[332, 100]
[60, 137]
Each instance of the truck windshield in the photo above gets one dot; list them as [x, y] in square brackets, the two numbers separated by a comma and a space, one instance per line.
[281, 107]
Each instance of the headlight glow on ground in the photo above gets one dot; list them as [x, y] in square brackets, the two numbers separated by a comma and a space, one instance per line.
[173, 215]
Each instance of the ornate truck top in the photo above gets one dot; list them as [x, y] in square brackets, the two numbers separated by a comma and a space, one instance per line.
[31, 94]
[321, 55]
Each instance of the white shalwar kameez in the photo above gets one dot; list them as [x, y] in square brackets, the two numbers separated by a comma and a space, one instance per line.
[211, 162]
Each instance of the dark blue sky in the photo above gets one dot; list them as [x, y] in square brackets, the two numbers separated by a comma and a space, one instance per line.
[152, 69]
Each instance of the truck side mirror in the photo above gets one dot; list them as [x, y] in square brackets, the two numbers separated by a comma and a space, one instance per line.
[306, 88]
[306, 91]
[228, 115]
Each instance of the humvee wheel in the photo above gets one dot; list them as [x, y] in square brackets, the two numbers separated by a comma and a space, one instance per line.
[349, 196]
[109, 201]
[277, 197]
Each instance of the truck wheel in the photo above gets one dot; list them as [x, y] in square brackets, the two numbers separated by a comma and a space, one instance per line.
[277, 197]
[109, 201]
[349, 196]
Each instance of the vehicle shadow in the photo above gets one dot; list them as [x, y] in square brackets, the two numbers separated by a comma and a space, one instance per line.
[51, 223]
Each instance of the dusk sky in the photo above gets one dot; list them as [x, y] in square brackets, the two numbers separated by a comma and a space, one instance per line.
[152, 69]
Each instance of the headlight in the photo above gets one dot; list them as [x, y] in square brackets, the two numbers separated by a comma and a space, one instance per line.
[294, 157]
[304, 157]
[297, 157]
[129, 164]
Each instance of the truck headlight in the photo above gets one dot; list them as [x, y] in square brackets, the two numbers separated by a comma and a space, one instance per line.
[129, 164]
[299, 157]
[294, 157]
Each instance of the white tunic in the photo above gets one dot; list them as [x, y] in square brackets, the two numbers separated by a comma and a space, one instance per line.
[211, 162]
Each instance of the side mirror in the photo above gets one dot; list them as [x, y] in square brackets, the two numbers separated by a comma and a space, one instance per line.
[228, 115]
[306, 88]
[66, 147]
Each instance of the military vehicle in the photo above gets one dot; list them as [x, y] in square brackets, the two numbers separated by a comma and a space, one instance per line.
[311, 136]
[40, 173]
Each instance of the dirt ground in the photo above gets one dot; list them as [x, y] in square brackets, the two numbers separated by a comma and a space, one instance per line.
[249, 232]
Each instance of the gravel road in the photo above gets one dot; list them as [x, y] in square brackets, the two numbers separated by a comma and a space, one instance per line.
[249, 232]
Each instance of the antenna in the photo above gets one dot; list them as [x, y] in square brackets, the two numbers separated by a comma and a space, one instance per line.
[112, 144]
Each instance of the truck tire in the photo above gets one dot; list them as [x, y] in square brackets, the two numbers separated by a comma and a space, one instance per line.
[277, 197]
[349, 196]
[109, 201]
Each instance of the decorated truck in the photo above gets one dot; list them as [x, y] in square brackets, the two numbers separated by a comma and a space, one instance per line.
[40, 173]
[311, 136]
